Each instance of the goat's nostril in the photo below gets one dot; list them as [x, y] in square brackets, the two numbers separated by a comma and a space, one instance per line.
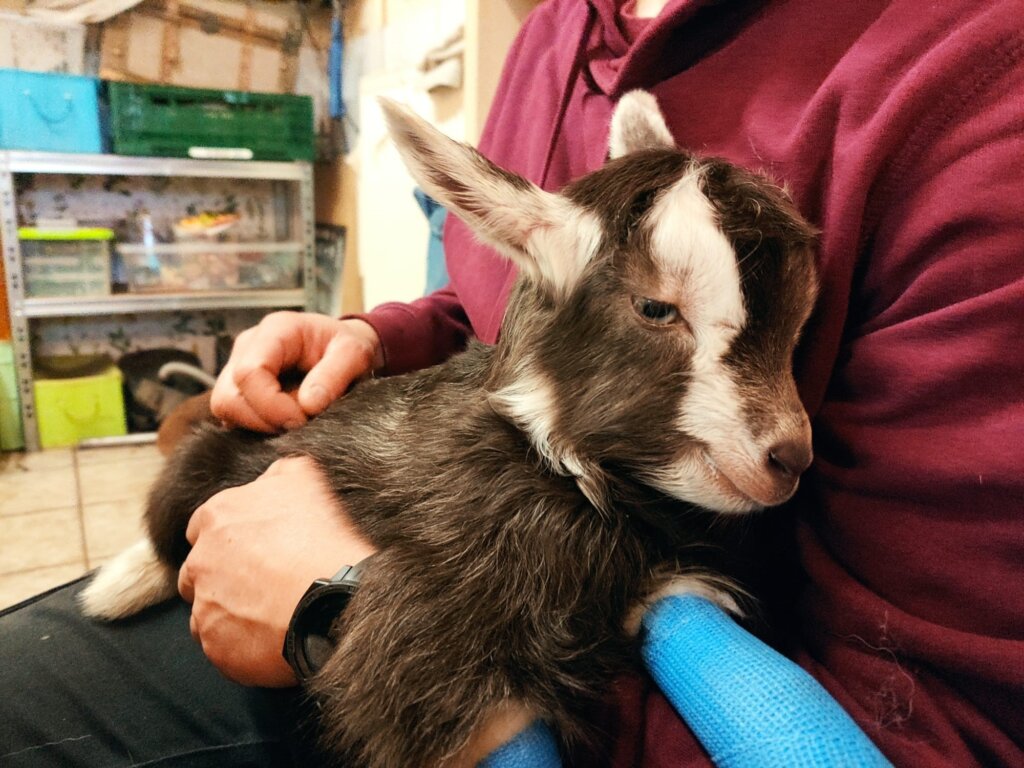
[790, 457]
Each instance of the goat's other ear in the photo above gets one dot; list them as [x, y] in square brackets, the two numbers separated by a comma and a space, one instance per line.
[637, 124]
[544, 234]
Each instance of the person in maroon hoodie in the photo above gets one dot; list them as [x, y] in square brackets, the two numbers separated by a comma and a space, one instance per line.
[898, 127]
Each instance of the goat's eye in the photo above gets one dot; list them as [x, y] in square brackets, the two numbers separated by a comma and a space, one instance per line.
[658, 312]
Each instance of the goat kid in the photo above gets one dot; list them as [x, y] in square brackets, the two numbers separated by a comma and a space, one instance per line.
[528, 499]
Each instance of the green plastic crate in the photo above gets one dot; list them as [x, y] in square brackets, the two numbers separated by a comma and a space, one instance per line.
[167, 121]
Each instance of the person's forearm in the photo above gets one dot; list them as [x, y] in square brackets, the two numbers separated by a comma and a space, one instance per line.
[421, 333]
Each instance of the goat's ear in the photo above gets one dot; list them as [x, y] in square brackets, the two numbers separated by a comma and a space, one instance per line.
[547, 237]
[638, 124]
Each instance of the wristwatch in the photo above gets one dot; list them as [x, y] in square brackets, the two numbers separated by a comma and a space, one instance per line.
[311, 639]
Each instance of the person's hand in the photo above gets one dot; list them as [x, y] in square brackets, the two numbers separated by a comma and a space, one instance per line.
[255, 550]
[334, 352]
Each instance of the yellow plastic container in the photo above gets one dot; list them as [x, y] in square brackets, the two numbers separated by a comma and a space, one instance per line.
[78, 398]
[11, 438]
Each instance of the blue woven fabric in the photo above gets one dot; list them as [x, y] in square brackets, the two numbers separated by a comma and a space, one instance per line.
[749, 706]
[533, 748]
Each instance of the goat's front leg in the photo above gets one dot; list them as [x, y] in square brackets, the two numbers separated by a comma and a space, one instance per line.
[413, 682]
[718, 590]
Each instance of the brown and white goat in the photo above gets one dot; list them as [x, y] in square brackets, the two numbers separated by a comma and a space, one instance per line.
[528, 498]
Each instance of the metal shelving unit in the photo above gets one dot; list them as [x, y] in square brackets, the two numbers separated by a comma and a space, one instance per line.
[296, 191]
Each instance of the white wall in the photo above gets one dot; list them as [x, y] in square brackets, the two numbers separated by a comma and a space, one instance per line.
[392, 242]
[393, 231]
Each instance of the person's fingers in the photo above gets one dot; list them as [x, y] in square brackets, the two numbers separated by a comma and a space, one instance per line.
[241, 414]
[280, 466]
[195, 524]
[228, 405]
[335, 353]
[346, 359]
[186, 588]
[260, 388]
[278, 344]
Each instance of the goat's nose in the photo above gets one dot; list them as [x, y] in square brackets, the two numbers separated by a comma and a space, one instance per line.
[790, 457]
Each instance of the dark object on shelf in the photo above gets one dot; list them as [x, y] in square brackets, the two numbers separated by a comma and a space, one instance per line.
[148, 399]
[166, 121]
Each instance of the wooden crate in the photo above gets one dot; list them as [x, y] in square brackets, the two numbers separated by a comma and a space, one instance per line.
[246, 46]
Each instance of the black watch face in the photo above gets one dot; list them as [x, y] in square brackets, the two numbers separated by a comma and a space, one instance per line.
[315, 639]
[317, 650]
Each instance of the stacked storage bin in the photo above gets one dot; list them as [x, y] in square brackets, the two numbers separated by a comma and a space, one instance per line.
[66, 262]
[166, 121]
[49, 112]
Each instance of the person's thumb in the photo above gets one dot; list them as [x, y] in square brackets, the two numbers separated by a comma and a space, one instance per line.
[346, 359]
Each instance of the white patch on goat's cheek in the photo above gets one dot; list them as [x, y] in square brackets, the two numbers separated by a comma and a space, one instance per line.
[529, 403]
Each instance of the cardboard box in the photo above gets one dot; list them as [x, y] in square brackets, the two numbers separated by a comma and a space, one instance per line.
[214, 44]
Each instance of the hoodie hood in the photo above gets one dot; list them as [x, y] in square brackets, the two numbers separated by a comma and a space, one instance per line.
[686, 31]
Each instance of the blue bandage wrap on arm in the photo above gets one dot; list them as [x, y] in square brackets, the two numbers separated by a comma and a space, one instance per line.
[749, 705]
[533, 748]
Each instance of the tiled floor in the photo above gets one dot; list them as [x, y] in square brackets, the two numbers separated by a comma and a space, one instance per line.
[63, 512]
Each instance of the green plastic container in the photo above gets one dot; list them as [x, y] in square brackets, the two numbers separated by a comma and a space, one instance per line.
[11, 437]
[78, 398]
[167, 121]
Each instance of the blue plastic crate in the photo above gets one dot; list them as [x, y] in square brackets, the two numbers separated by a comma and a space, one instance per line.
[49, 112]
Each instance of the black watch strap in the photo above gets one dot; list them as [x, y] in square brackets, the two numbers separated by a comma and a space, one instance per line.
[310, 641]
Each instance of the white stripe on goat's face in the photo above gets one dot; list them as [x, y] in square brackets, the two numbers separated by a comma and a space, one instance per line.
[697, 270]
[697, 266]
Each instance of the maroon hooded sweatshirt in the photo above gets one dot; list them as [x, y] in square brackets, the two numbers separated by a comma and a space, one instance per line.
[899, 129]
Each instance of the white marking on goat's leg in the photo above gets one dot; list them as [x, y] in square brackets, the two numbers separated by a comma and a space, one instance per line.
[500, 726]
[719, 591]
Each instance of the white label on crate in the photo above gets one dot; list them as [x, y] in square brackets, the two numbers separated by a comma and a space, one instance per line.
[220, 153]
